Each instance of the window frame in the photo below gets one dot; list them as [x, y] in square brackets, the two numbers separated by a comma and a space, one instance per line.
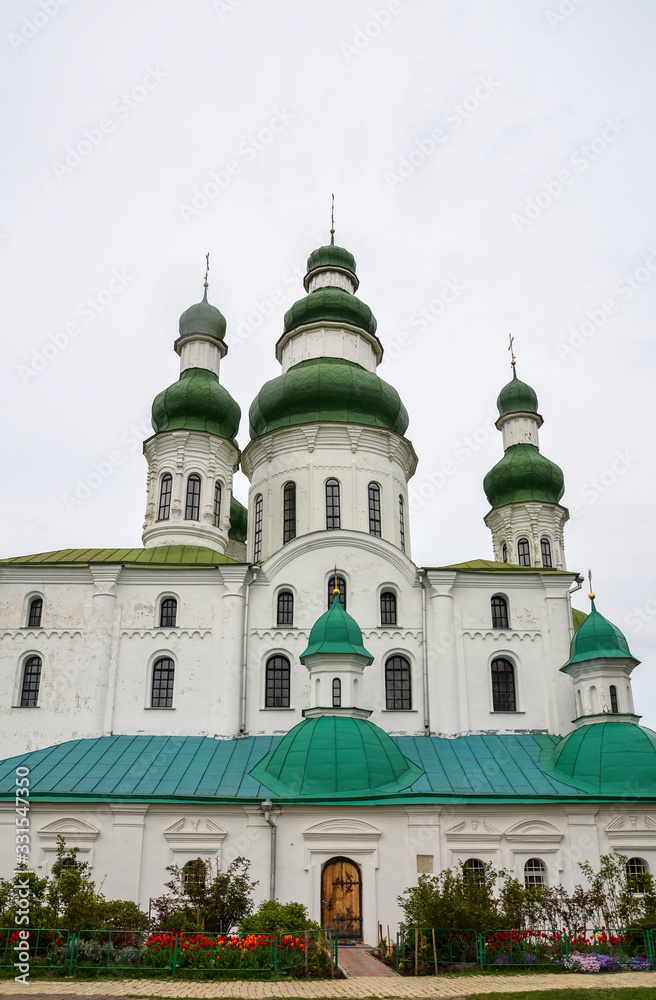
[474, 868]
[500, 620]
[503, 658]
[335, 582]
[284, 593]
[391, 614]
[337, 692]
[192, 497]
[374, 508]
[164, 499]
[521, 555]
[390, 694]
[161, 658]
[216, 506]
[270, 695]
[29, 697]
[258, 521]
[545, 544]
[504, 552]
[401, 522]
[288, 512]
[614, 700]
[36, 598]
[537, 875]
[164, 600]
[333, 503]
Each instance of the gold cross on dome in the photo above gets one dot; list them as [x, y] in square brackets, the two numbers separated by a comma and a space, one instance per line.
[207, 269]
[511, 340]
[591, 594]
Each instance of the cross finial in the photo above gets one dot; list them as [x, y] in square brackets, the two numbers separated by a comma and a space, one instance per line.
[332, 220]
[207, 269]
[511, 341]
[591, 594]
[336, 590]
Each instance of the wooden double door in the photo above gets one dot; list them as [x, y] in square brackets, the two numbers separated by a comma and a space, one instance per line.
[341, 898]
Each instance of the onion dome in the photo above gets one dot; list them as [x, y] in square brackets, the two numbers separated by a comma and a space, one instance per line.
[596, 639]
[523, 474]
[336, 632]
[332, 257]
[327, 389]
[330, 305]
[238, 521]
[198, 402]
[203, 320]
[615, 759]
[517, 397]
[335, 757]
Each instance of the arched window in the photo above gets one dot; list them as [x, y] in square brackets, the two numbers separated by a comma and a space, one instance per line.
[474, 869]
[337, 583]
[216, 518]
[374, 509]
[162, 691]
[289, 513]
[164, 510]
[30, 682]
[503, 686]
[192, 506]
[277, 682]
[332, 504]
[523, 552]
[193, 872]
[388, 608]
[257, 532]
[35, 612]
[499, 612]
[401, 523]
[637, 873]
[285, 608]
[168, 613]
[545, 550]
[337, 693]
[504, 553]
[398, 692]
[614, 706]
[535, 872]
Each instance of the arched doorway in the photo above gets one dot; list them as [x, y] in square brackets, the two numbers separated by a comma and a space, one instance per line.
[341, 898]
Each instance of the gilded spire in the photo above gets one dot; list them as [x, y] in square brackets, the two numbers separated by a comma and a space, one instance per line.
[332, 221]
[591, 595]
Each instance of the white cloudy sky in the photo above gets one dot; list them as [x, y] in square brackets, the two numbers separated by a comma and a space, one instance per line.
[526, 106]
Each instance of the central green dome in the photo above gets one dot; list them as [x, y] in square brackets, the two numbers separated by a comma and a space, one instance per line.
[331, 256]
[336, 632]
[517, 397]
[615, 759]
[327, 389]
[330, 305]
[523, 474]
[336, 757]
[597, 638]
[197, 401]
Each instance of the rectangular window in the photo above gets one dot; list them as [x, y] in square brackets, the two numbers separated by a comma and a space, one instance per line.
[163, 675]
[277, 682]
[257, 532]
[192, 506]
[374, 509]
[164, 511]
[401, 524]
[289, 513]
[503, 686]
[31, 681]
[523, 552]
[217, 505]
[332, 504]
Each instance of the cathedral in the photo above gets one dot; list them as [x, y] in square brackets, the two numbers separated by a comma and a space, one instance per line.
[285, 683]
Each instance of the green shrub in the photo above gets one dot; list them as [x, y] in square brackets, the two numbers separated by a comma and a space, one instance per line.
[273, 917]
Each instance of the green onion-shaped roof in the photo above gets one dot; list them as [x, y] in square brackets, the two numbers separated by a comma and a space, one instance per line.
[327, 389]
[523, 474]
[597, 638]
[331, 256]
[198, 402]
[330, 305]
[238, 521]
[345, 757]
[517, 397]
[336, 632]
[606, 758]
[203, 319]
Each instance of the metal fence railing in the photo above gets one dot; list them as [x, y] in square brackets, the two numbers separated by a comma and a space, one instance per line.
[309, 953]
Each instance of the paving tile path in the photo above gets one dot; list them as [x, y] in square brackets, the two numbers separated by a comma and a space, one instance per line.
[361, 988]
[357, 962]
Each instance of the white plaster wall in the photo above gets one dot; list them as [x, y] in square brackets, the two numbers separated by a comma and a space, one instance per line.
[532, 521]
[329, 341]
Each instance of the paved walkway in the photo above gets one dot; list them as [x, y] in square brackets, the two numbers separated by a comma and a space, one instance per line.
[403, 987]
[356, 962]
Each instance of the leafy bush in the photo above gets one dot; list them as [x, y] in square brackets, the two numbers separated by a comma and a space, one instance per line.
[273, 917]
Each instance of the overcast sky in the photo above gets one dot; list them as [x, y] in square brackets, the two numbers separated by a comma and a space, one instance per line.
[493, 167]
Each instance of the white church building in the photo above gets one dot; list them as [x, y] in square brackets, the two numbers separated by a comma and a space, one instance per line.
[290, 665]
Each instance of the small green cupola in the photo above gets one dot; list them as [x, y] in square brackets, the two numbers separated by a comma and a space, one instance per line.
[335, 658]
[202, 320]
[524, 488]
[600, 664]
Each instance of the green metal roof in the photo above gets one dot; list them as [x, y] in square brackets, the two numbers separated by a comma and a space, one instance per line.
[517, 397]
[327, 389]
[611, 759]
[336, 632]
[204, 319]
[335, 756]
[184, 556]
[238, 520]
[330, 305]
[486, 768]
[198, 402]
[331, 256]
[487, 566]
[578, 617]
[598, 638]
[523, 474]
